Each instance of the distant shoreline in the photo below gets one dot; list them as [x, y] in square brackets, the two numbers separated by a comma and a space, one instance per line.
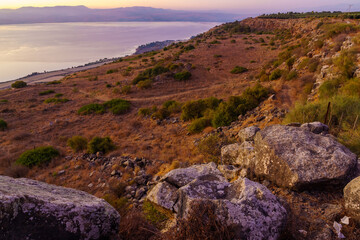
[56, 75]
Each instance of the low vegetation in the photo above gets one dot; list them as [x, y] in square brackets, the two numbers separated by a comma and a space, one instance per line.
[77, 143]
[103, 145]
[182, 76]
[150, 73]
[37, 156]
[56, 100]
[115, 106]
[19, 84]
[238, 70]
[3, 125]
[46, 92]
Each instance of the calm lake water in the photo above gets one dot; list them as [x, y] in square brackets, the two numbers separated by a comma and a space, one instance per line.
[28, 48]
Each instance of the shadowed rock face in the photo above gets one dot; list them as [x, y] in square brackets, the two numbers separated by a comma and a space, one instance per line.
[35, 210]
[249, 207]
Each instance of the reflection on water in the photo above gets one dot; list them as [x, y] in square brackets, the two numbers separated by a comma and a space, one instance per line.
[31, 48]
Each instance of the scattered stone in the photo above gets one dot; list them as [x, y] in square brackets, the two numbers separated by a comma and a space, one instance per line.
[35, 210]
[352, 198]
[249, 207]
[229, 153]
[316, 127]
[61, 172]
[90, 185]
[248, 134]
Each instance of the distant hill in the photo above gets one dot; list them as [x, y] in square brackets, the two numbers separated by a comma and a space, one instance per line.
[83, 14]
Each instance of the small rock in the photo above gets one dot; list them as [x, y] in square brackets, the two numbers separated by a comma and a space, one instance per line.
[90, 185]
[92, 173]
[77, 167]
[61, 172]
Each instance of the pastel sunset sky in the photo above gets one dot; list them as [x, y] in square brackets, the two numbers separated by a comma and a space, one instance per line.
[221, 5]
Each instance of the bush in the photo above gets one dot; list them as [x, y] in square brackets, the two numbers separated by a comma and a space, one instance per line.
[126, 89]
[198, 125]
[290, 62]
[161, 114]
[346, 63]
[238, 70]
[182, 76]
[329, 88]
[313, 65]
[196, 109]
[211, 145]
[46, 92]
[172, 106]
[3, 101]
[149, 74]
[189, 47]
[145, 112]
[91, 108]
[111, 71]
[58, 95]
[53, 82]
[117, 106]
[351, 88]
[155, 214]
[77, 143]
[98, 144]
[276, 74]
[145, 84]
[37, 156]
[56, 100]
[291, 75]
[19, 84]
[203, 223]
[3, 125]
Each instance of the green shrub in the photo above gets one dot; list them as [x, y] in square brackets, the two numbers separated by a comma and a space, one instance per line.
[290, 62]
[46, 92]
[117, 106]
[346, 63]
[37, 156]
[215, 42]
[53, 82]
[3, 125]
[98, 144]
[196, 109]
[291, 75]
[145, 84]
[3, 101]
[56, 100]
[189, 47]
[144, 112]
[58, 95]
[91, 108]
[172, 106]
[155, 214]
[161, 114]
[217, 55]
[319, 44]
[126, 89]
[238, 70]
[233, 41]
[149, 74]
[351, 88]
[276, 74]
[211, 145]
[19, 84]
[329, 88]
[182, 76]
[333, 29]
[111, 71]
[198, 125]
[77, 143]
[313, 65]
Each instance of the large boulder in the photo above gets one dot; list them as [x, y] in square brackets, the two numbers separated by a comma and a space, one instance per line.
[35, 210]
[297, 158]
[248, 207]
[316, 127]
[182, 176]
[352, 198]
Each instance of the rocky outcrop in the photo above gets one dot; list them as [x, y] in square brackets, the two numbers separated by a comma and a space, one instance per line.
[35, 210]
[296, 157]
[248, 207]
[248, 134]
[352, 198]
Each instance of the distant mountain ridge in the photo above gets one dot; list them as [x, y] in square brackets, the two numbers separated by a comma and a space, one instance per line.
[83, 14]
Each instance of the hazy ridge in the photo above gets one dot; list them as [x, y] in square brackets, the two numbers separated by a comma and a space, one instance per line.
[62, 14]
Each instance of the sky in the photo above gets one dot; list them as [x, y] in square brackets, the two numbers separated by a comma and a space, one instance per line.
[214, 5]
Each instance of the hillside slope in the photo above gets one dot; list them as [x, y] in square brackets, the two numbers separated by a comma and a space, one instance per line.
[290, 59]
